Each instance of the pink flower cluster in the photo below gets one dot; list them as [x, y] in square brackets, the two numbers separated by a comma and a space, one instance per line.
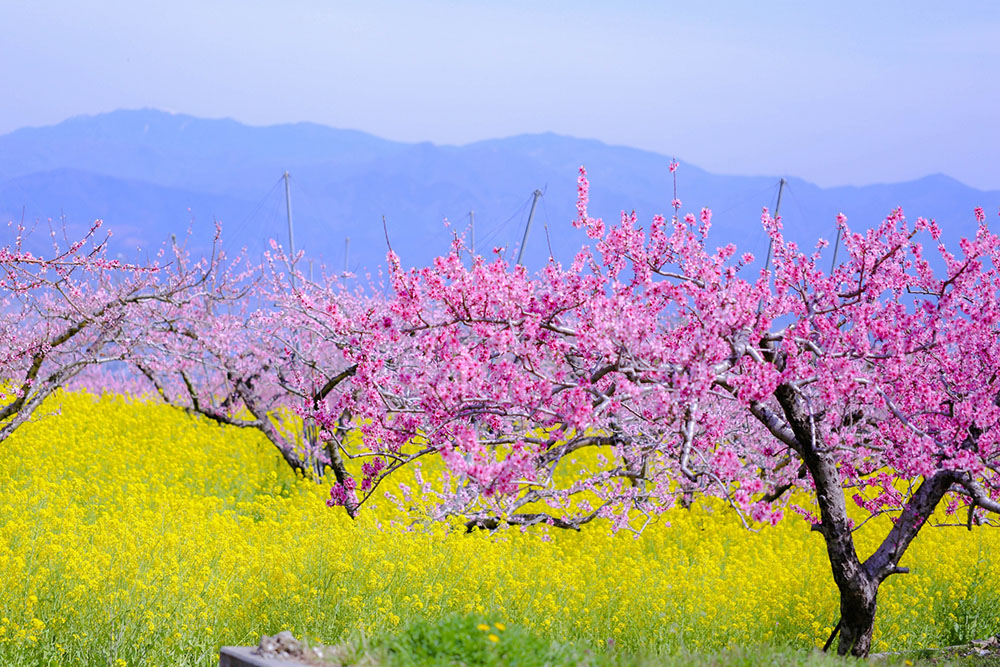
[656, 367]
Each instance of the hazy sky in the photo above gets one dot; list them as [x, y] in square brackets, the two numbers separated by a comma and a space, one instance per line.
[836, 92]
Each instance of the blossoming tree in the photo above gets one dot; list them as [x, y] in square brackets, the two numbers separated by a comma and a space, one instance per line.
[266, 349]
[67, 312]
[877, 382]
[652, 370]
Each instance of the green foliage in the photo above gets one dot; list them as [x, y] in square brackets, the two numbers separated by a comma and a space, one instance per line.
[464, 640]
[470, 640]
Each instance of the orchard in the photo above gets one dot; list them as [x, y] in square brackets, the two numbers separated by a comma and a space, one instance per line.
[654, 371]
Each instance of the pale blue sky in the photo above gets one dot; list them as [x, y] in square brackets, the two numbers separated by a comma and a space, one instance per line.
[838, 93]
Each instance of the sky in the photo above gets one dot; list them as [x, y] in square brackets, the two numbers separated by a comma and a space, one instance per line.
[845, 93]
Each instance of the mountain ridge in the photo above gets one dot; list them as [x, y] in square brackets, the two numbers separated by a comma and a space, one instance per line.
[142, 170]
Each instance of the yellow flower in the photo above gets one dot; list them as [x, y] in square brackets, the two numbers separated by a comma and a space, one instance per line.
[152, 515]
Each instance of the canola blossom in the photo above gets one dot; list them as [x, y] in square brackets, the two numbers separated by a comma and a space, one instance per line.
[133, 534]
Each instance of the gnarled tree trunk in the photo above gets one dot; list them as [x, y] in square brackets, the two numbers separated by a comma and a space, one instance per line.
[858, 589]
[858, 602]
[857, 582]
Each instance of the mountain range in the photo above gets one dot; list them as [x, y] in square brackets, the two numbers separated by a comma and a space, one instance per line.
[149, 174]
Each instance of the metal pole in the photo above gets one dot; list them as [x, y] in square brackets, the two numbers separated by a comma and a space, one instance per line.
[777, 212]
[770, 244]
[288, 208]
[291, 235]
[472, 233]
[836, 247]
[527, 227]
[347, 252]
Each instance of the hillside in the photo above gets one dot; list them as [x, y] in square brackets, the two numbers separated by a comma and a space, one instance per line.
[149, 173]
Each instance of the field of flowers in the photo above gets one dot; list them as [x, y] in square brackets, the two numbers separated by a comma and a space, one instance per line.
[131, 534]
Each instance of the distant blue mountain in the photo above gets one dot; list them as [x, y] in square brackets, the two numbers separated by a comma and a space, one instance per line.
[150, 174]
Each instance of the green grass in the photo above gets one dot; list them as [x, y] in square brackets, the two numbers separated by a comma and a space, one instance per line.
[469, 640]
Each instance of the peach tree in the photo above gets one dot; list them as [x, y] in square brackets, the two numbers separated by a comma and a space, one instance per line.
[652, 370]
[687, 373]
[69, 311]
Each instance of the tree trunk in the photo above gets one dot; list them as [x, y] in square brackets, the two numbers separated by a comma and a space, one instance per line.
[857, 617]
[858, 586]
[857, 582]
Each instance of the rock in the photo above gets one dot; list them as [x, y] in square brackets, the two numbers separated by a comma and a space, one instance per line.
[282, 645]
[266, 646]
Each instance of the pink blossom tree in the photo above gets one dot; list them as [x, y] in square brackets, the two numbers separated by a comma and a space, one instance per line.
[652, 370]
[876, 382]
[263, 348]
[67, 312]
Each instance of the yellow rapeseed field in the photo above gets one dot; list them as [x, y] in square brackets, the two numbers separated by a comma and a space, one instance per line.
[131, 534]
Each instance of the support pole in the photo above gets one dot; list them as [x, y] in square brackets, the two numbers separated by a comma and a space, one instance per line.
[527, 227]
[291, 234]
[777, 212]
[770, 243]
[836, 247]
[288, 208]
